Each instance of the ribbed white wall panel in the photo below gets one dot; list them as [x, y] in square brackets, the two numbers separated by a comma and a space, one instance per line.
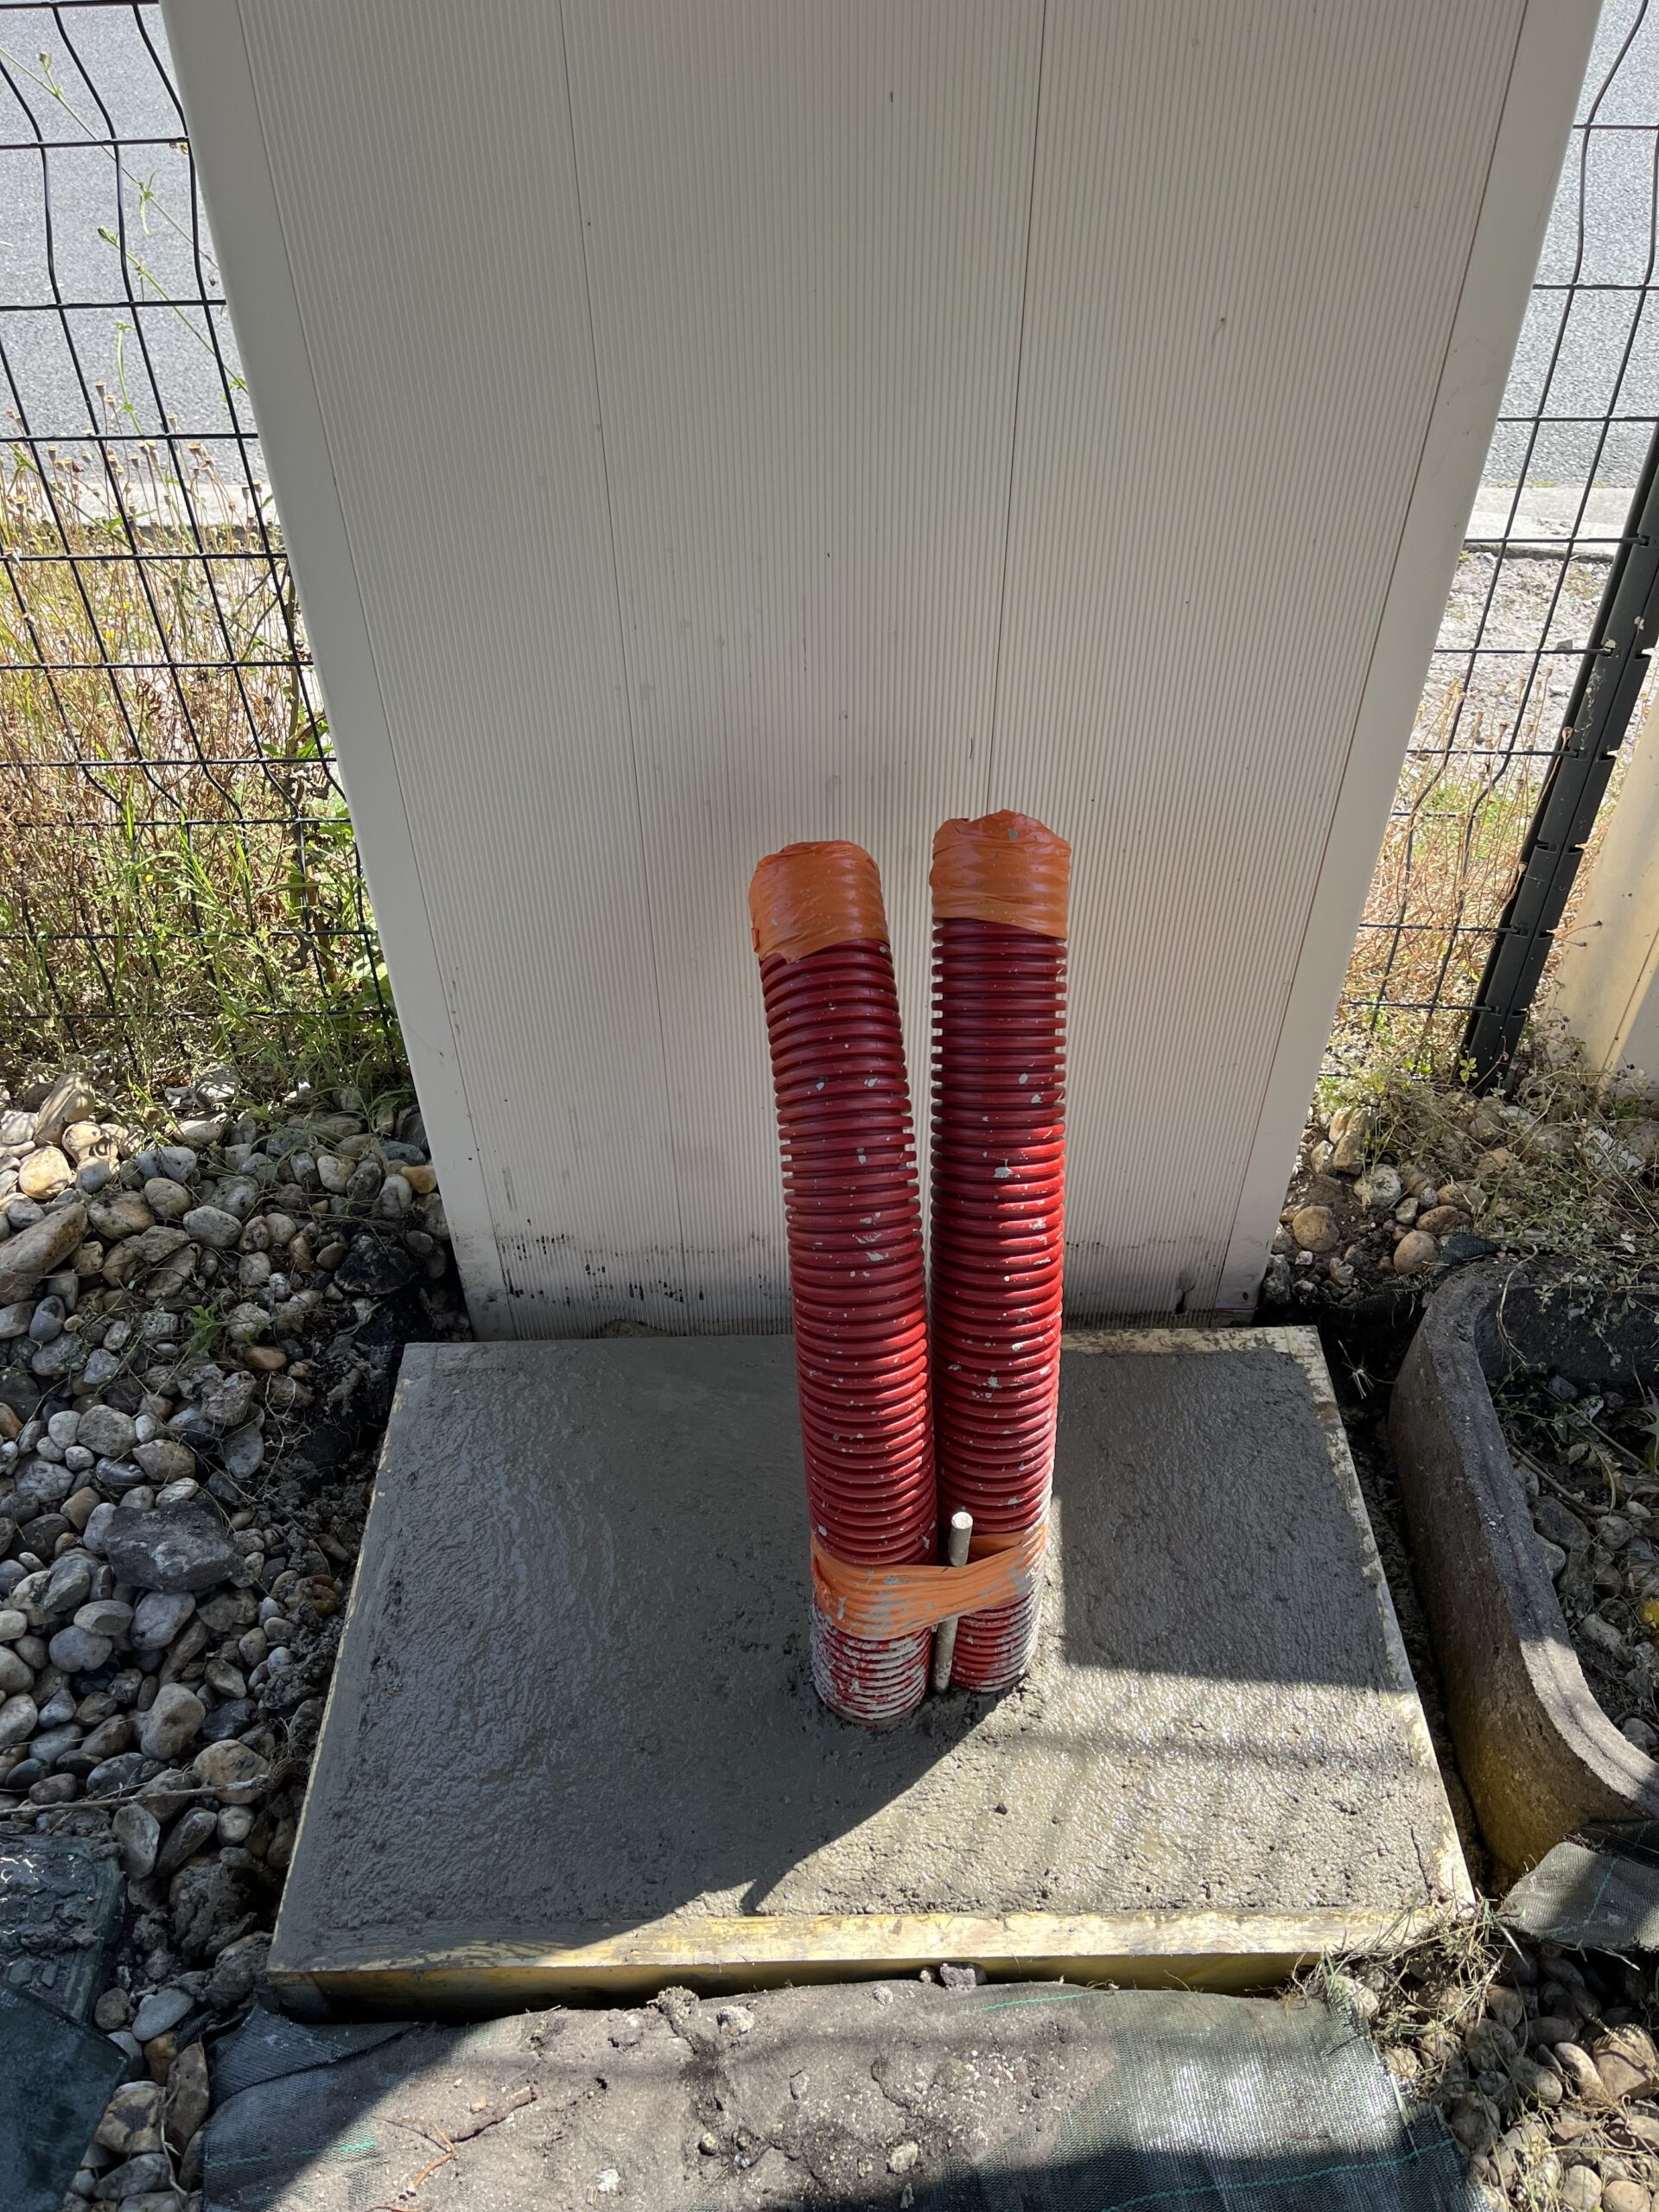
[703, 425]
[1236, 316]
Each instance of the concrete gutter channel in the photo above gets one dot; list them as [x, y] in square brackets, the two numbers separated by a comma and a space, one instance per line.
[1540, 1759]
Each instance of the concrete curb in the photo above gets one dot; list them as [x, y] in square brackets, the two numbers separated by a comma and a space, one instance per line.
[1539, 1757]
[1546, 519]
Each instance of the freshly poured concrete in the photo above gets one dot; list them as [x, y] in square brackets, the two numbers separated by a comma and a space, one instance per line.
[572, 1737]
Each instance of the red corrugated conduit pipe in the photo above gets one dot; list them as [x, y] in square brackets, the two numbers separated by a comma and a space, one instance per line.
[999, 887]
[853, 1208]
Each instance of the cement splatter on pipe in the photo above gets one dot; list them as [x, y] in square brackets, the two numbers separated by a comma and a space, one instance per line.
[999, 891]
[853, 1206]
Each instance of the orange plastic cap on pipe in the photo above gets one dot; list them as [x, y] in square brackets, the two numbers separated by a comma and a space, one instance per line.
[1003, 867]
[811, 896]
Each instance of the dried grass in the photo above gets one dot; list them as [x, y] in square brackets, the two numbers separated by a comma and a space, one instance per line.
[178, 880]
[1448, 866]
[1560, 1170]
[1485, 730]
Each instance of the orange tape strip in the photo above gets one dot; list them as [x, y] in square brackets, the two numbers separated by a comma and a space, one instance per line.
[876, 1604]
[1003, 867]
[811, 896]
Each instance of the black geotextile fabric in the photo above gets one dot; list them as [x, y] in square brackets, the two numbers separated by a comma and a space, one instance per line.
[268, 2046]
[55, 2079]
[1220, 2106]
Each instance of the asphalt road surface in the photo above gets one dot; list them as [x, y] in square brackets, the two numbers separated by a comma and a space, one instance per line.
[111, 234]
[1589, 351]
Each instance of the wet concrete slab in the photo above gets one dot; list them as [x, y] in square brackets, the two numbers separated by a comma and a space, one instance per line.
[572, 1741]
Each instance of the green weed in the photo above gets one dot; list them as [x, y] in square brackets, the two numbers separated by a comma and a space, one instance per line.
[179, 882]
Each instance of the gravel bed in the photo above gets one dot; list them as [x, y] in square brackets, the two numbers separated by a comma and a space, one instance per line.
[1352, 1225]
[1587, 1462]
[200, 1325]
[1542, 2062]
[1379, 1210]
[1364, 1215]
[1537, 605]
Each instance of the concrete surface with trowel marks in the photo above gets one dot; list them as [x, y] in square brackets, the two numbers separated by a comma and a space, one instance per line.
[1009, 2098]
[573, 1703]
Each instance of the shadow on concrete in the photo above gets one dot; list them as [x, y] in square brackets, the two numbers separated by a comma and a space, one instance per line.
[574, 1696]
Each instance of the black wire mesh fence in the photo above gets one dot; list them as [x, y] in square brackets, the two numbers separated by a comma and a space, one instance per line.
[178, 878]
[1566, 457]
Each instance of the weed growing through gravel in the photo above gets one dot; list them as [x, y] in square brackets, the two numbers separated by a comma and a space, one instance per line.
[1518, 2044]
[1441, 1982]
[1560, 1169]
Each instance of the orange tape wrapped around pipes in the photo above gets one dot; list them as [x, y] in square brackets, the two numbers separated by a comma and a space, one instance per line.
[1003, 867]
[878, 1603]
[810, 896]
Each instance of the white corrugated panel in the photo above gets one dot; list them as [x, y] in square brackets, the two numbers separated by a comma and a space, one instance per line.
[703, 426]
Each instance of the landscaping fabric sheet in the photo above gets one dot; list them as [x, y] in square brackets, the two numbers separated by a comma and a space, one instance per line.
[1598, 1891]
[55, 2079]
[993, 2098]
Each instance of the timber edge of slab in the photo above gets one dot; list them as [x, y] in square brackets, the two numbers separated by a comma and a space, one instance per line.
[1156, 1950]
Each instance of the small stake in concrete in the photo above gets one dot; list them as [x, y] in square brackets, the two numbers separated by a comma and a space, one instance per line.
[944, 1636]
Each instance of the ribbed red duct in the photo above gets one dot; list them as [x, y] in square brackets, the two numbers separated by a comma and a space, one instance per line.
[853, 1208]
[999, 886]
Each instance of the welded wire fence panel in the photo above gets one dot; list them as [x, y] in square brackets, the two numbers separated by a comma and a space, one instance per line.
[1578, 412]
[178, 878]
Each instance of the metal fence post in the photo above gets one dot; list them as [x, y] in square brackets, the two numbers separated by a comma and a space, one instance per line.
[1599, 713]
